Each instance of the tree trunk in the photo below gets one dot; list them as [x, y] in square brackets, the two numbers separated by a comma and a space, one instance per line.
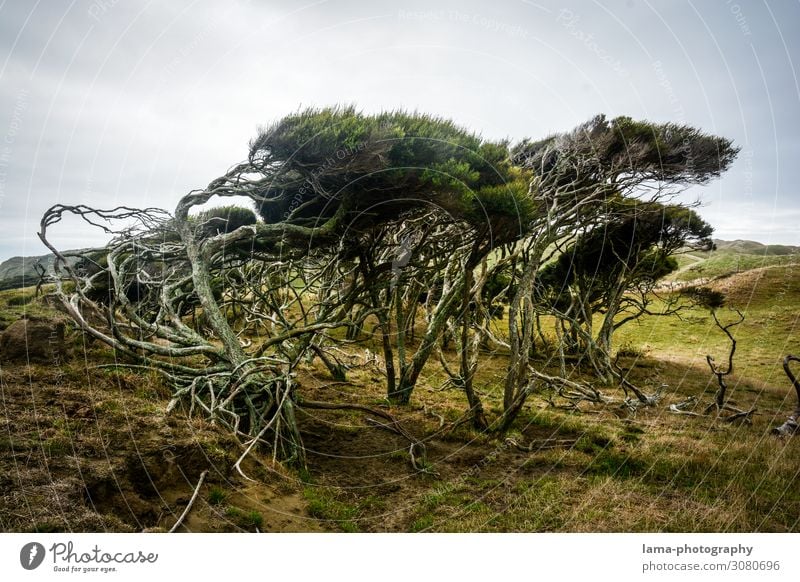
[443, 311]
[520, 341]
[468, 366]
[386, 342]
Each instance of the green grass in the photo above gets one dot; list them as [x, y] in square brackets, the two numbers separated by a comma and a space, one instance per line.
[216, 496]
[771, 329]
[14, 303]
[323, 505]
[652, 471]
[247, 520]
[722, 263]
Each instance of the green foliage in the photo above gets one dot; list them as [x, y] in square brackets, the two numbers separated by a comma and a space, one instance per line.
[17, 282]
[245, 519]
[704, 297]
[632, 246]
[323, 505]
[21, 298]
[666, 152]
[349, 169]
[224, 219]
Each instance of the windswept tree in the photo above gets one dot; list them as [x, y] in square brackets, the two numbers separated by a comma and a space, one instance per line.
[403, 222]
[575, 175]
[611, 270]
[324, 182]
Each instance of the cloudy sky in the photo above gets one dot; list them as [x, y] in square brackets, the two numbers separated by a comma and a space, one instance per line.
[109, 102]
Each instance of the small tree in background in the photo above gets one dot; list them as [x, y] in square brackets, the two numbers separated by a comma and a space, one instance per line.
[612, 269]
[575, 175]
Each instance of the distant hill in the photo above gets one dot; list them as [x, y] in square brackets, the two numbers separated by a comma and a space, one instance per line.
[19, 272]
[731, 257]
[764, 287]
[749, 247]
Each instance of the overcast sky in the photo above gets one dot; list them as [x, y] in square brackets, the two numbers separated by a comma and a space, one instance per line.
[111, 102]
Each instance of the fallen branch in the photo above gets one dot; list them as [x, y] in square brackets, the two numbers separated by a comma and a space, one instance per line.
[738, 414]
[681, 407]
[742, 414]
[572, 390]
[188, 507]
[463, 419]
[394, 427]
[438, 416]
[792, 424]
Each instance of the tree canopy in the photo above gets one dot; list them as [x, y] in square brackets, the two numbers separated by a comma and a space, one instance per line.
[335, 170]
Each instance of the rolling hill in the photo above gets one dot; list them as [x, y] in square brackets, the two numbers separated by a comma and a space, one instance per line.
[18, 272]
[730, 257]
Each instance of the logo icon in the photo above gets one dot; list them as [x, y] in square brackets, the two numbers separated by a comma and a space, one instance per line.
[31, 555]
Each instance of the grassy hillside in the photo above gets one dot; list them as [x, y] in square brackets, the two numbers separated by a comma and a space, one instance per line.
[101, 453]
[731, 257]
[768, 297]
[749, 247]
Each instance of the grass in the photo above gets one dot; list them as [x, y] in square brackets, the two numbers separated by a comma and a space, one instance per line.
[725, 263]
[324, 505]
[216, 496]
[652, 471]
[244, 519]
[659, 471]
[728, 484]
[770, 330]
[15, 303]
